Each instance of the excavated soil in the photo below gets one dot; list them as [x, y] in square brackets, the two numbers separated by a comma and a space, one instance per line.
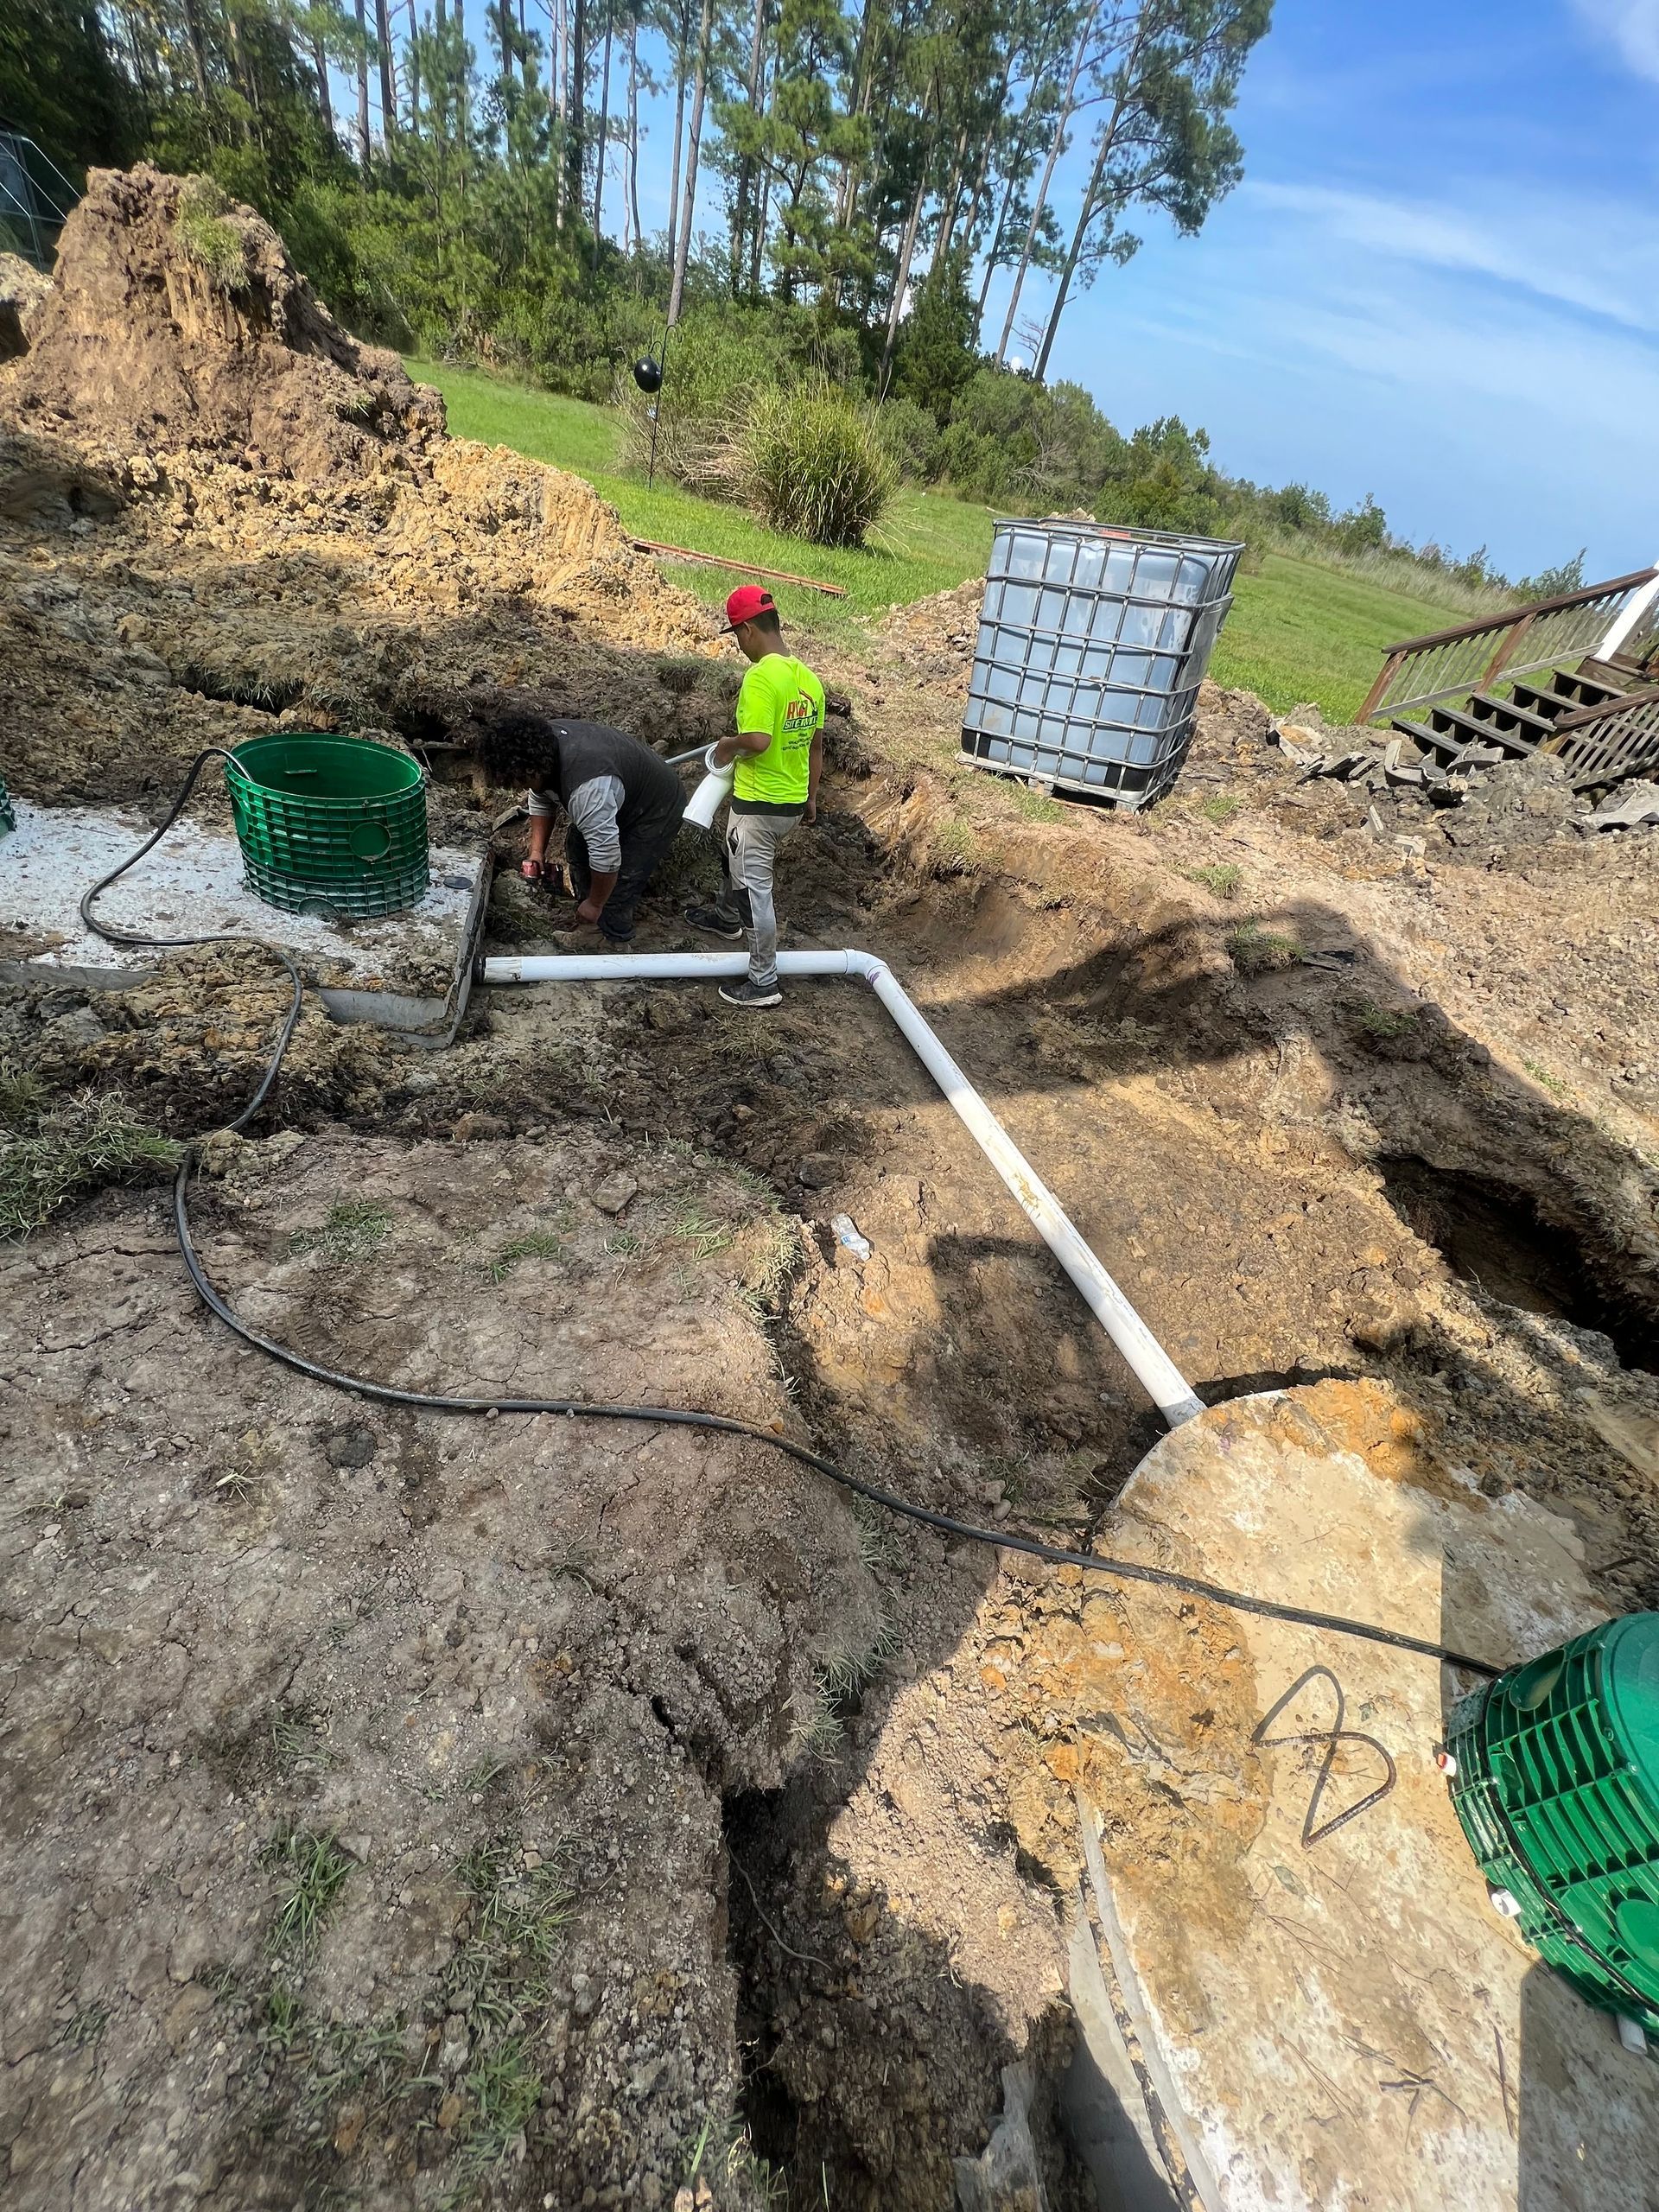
[690, 1836]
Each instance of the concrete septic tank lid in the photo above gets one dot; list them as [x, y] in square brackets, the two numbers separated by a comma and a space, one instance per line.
[1330, 2010]
[402, 971]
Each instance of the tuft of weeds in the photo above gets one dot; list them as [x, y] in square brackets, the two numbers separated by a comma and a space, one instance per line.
[22, 1096]
[815, 1730]
[1254, 951]
[843, 1674]
[523, 1909]
[49, 1152]
[354, 1228]
[202, 226]
[534, 1244]
[285, 2016]
[957, 850]
[503, 2090]
[1036, 806]
[1222, 880]
[85, 2026]
[1553, 1083]
[623, 1244]
[314, 1868]
[1384, 1021]
[1219, 807]
[696, 1228]
[296, 1740]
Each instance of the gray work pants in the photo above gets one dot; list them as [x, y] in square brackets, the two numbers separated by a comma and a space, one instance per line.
[751, 848]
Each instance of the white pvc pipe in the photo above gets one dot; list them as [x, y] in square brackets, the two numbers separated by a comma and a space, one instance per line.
[1169, 1389]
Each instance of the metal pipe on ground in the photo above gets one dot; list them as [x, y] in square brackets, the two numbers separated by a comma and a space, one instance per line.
[1168, 1389]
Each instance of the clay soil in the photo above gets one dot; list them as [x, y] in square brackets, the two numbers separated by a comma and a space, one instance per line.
[420, 1810]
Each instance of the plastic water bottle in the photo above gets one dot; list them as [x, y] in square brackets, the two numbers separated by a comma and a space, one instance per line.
[847, 1233]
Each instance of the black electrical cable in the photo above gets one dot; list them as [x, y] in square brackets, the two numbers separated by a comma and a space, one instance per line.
[671, 1416]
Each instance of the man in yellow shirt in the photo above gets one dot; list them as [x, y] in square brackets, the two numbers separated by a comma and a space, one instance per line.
[778, 746]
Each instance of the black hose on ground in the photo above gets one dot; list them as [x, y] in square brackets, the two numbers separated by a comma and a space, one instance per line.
[668, 1416]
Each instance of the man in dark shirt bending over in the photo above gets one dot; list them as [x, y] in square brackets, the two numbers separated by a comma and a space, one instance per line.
[622, 801]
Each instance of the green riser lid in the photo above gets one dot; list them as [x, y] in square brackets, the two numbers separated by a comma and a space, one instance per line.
[1557, 1790]
[338, 817]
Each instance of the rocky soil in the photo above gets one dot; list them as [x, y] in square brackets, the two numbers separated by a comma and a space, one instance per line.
[412, 1809]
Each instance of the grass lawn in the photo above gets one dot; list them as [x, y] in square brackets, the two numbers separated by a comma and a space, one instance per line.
[1297, 631]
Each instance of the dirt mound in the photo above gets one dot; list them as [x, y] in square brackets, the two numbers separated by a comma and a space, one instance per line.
[177, 320]
[23, 292]
[217, 509]
[938, 634]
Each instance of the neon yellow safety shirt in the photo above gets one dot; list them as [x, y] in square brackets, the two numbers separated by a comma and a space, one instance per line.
[779, 693]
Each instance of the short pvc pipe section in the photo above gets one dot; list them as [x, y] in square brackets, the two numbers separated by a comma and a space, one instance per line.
[1168, 1389]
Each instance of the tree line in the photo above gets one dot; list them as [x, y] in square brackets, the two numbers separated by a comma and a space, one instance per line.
[463, 178]
[484, 148]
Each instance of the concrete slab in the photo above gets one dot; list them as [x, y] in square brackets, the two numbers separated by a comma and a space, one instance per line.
[1331, 2013]
[407, 971]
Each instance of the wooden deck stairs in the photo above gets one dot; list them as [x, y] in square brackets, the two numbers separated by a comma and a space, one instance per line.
[1576, 678]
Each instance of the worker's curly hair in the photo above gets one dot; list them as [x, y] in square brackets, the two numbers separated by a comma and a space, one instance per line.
[515, 743]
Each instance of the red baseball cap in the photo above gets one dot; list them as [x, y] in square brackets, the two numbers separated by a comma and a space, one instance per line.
[746, 602]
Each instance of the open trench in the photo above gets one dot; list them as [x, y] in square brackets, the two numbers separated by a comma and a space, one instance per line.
[888, 1829]
[1184, 1119]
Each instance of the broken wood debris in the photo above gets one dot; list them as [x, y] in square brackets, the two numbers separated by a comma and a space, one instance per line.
[1398, 765]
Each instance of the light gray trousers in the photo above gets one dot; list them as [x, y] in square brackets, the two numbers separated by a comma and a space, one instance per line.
[751, 848]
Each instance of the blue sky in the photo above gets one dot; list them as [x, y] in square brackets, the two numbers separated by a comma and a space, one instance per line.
[1438, 282]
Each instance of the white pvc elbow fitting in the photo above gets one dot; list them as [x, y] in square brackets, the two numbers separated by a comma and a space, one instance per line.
[711, 793]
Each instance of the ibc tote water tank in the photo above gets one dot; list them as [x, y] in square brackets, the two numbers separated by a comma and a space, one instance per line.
[1092, 643]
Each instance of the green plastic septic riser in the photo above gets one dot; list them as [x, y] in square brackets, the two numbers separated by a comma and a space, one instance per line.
[333, 826]
[1557, 1787]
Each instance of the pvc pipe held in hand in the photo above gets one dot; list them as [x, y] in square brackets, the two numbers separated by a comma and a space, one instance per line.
[711, 793]
[1169, 1389]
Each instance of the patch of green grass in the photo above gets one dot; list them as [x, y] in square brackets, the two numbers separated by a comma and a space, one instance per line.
[1553, 1083]
[22, 1096]
[85, 2026]
[1036, 806]
[1223, 880]
[623, 1244]
[285, 2016]
[534, 1244]
[1384, 1021]
[957, 850]
[50, 1152]
[314, 1868]
[1300, 632]
[1254, 951]
[694, 1226]
[503, 2090]
[354, 1229]
[296, 1739]
[202, 226]
[522, 1908]
[1219, 807]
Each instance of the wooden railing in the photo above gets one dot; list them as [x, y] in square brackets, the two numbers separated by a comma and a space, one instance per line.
[1452, 664]
[1608, 743]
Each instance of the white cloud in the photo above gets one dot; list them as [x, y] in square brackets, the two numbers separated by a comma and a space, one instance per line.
[1600, 257]
[1633, 26]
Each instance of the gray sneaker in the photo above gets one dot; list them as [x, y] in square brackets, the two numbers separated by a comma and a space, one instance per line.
[717, 922]
[742, 992]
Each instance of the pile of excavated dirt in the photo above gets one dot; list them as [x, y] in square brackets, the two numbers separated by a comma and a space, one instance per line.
[23, 292]
[177, 321]
[218, 513]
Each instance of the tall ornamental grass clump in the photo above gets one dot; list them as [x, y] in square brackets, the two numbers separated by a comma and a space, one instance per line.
[810, 459]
